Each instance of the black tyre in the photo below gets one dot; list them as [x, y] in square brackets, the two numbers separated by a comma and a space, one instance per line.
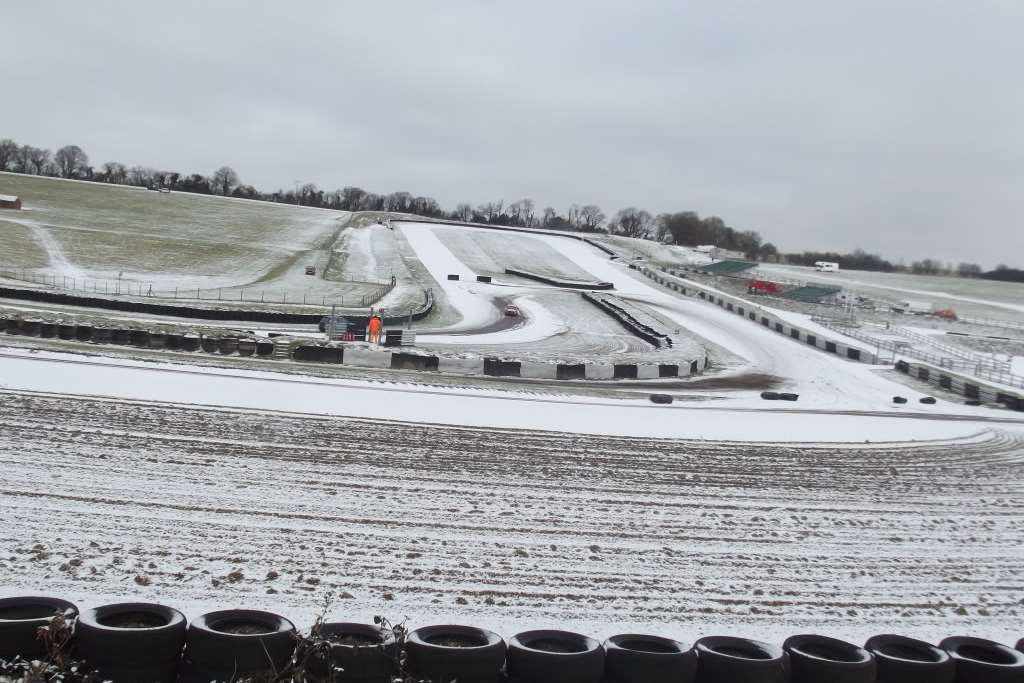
[357, 652]
[190, 342]
[789, 397]
[132, 641]
[83, 332]
[905, 660]
[246, 347]
[1020, 645]
[228, 345]
[664, 399]
[264, 348]
[984, 661]
[463, 653]
[20, 621]
[554, 657]
[232, 644]
[48, 330]
[770, 395]
[725, 659]
[66, 331]
[928, 400]
[817, 659]
[211, 344]
[157, 340]
[899, 399]
[632, 658]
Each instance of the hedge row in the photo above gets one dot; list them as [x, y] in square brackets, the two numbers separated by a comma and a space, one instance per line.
[131, 642]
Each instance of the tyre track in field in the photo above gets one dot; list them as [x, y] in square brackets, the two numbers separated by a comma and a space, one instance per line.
[413, 519]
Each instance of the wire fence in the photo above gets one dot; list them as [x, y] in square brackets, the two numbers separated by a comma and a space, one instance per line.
[363, 293]
[973, 367]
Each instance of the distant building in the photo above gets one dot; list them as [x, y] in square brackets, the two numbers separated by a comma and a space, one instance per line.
[9, 201]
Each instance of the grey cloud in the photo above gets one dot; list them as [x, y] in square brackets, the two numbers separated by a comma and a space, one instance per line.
[822, 124]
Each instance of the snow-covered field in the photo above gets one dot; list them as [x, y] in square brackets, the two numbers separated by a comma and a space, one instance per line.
[511, 504]
[508, 528]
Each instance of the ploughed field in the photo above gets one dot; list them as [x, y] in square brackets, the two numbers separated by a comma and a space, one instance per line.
[109, 500]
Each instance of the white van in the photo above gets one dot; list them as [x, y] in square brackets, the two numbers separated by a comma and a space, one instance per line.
[826, 266]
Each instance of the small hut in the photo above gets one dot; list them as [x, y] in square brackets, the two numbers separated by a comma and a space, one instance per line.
[9, 201]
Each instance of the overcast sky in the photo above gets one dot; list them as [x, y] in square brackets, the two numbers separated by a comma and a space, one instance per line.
[892, 126]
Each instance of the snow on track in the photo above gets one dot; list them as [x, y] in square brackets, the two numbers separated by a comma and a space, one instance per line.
[488, 408]
[529, 529]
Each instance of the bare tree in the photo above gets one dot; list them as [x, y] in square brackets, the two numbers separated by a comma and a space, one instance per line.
[464, 212]
[140, 176]
[591, 217]
[115, 172]
[71, 161]
[353, 198]
[548, 216]
[36, 160]
[224, 180]
[8, 153]
[632, 222]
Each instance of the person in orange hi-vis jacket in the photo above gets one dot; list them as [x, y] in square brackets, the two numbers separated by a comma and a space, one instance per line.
[373, 334]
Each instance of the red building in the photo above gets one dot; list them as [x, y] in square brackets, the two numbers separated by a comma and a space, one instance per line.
[9, 201]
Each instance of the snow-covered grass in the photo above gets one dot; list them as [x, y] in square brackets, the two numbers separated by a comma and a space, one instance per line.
[99, 231]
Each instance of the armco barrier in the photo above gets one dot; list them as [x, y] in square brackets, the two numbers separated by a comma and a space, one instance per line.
[206, 650]
[762, 316]
[968, 387]
[558, 282]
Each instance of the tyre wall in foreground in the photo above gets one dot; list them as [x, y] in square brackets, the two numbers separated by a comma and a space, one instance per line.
[124, 642]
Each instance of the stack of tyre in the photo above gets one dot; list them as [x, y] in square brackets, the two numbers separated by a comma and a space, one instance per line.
[129, 642]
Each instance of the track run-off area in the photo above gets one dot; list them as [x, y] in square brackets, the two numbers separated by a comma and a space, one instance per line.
[105, 499]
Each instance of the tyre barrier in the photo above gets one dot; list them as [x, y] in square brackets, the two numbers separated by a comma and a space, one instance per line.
[979, 661]
[66, 331]
[632, 658]
[227, 346]
[770, 395]
[455, 653]
[101, 335]
[483, 278]
[232, 644]
[661, 399]
[668, 370]
[120, 336]
[453, 276]
[264, 347]
[740, 660]
[370, 656]
[246, 346]
[31, 327]
[817, 659]
[905, 660]
[412, 361]
[548, 656]
[928, 400]
[789, 397]
[899, 399]
[570, 371]
[11, 326]
[190, 342]
[319, 354]
[140, 338]
[210, 344]
[174, 341]
[131, 641]
[158, 340]
[20, 621]
[84, 332]
[494, 367]
[48, 330]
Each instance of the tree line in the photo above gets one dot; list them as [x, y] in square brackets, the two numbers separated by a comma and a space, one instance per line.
[684, 228]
